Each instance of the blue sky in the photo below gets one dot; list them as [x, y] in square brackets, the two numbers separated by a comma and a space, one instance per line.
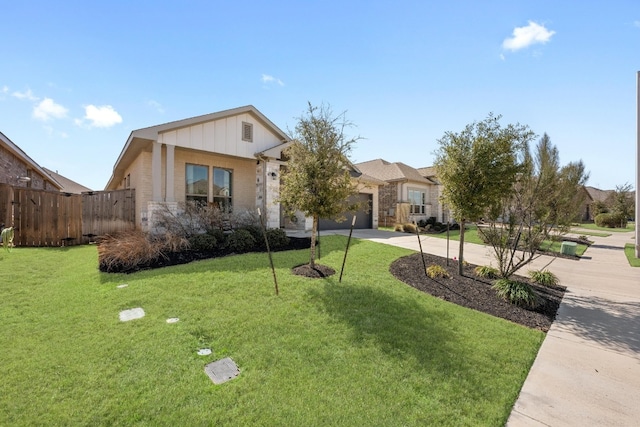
[77, 77]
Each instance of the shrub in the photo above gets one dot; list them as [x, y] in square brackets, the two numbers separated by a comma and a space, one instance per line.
[277, 238]
[409, 228]
[240, 241]
[256, 232]
[422, 223]
[544, 277]
[437, 271]
[518, 293]
[398, 227]
[610, 220]
[487, 272]
[220, 236]
[203, 242]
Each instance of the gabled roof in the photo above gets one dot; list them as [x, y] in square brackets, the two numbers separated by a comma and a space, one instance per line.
[68, 186]
[391, 172]
[429, 172]
[17, 151]
[141, 138]
[152, 131]
[598, 195]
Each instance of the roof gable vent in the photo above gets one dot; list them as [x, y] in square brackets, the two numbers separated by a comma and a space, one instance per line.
[247, 132]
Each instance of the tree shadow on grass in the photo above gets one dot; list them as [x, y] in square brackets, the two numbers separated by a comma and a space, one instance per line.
[615, 325]
[399, 326]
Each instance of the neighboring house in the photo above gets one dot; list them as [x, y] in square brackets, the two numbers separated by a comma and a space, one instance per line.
[67, 185]
[409, 194]
[230, 159]
[19, 170]
[594, 195]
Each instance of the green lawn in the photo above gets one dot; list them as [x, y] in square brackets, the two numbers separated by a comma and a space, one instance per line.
[471, 236]
[368, 351]
[630, 252]
[590, 233]
[631, 226]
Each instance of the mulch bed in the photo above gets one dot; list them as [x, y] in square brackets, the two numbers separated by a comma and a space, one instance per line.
[473, 292]
[318, 272]
[185, 257]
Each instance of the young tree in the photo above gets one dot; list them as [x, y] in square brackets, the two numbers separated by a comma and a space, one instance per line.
[622, 204]
[477, 167]
[543, 202]
[316, 180]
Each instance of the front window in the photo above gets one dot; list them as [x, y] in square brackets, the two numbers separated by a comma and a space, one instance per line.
[197, 182]
[222, 188]
[417, 201]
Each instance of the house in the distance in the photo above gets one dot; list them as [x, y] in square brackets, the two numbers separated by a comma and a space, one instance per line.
[19, 170]
[67, 185]
[595, 195]
[409, 195]
[231, 159]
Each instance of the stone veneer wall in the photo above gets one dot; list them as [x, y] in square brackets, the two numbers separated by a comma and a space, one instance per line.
[387, 199]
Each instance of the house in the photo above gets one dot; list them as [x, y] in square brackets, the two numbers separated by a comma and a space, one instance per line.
[596, 196]
[19, 170]
[231, 159]
[67, 185]
[409, 194]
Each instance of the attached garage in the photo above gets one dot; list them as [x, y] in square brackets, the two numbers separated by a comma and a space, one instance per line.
[364, 217]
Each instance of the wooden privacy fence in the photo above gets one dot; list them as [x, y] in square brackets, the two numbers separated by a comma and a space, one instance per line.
[50, 218]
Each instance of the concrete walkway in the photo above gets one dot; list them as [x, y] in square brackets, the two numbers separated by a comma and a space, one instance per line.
[587, 372]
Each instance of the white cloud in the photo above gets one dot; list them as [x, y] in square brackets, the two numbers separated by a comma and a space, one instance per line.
[636, 24]
[267, 79]
[101, 117]
[47, 109]
[24, 95]
[5, 89]
[524, 37]
[156, 105]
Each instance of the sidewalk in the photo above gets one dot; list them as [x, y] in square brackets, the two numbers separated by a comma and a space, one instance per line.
[587, 371]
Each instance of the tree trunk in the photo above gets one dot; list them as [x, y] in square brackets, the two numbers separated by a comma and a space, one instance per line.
[461, 249]
[312, 251]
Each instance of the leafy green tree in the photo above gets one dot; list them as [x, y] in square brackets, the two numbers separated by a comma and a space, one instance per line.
[622, 203]
[316, 180]
[478, 167]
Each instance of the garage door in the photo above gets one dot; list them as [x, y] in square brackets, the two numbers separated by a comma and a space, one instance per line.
[364, 219]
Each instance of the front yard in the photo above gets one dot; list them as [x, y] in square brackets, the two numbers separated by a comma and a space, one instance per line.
[368, 351]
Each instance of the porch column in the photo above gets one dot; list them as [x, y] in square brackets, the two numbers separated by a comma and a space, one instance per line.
[156, 172]
[170, 173]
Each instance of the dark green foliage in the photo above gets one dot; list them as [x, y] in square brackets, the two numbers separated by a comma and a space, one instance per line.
[256, 232]
[610, 220]
[518, 293]
[277, 238]
[544, 277]
[240, 241]
[203, 242]
[487, 272]
[220, 236]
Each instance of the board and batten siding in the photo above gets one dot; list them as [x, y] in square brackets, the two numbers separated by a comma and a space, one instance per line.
[223, 136]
